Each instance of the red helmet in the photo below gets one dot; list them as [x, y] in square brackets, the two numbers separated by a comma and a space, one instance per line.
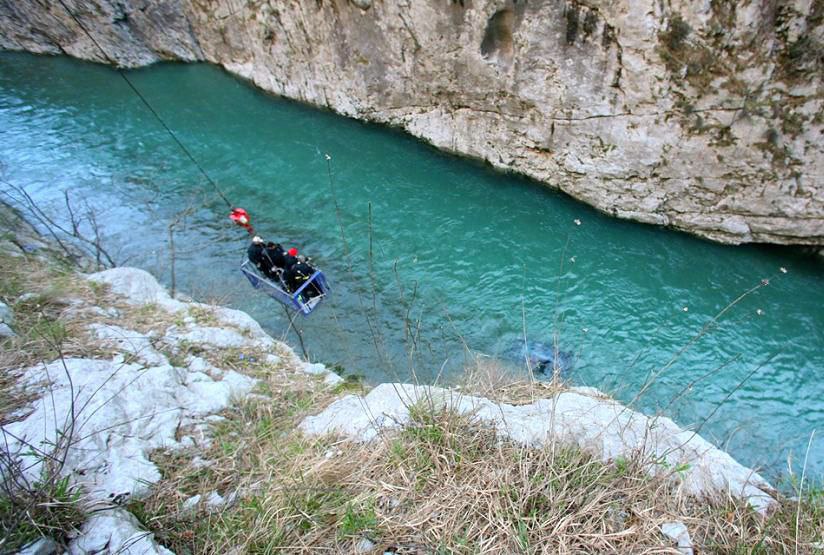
[293, 251]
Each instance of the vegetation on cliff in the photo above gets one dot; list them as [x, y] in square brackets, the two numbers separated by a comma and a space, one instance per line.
[443, 484]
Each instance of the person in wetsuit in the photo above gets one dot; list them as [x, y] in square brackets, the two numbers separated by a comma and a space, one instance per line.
[290, 258]
[299, 273]
[255, 252]
[268, 258]
[274, 259]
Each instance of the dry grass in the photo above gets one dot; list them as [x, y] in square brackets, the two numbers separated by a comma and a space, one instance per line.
[53, 307]
[46, 301]
[50, 508]
[443, 485]
[251, 451]
[495, 379]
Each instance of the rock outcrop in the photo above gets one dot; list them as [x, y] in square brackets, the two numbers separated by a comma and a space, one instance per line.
[104, 417]
[581, 416]
[703, 116]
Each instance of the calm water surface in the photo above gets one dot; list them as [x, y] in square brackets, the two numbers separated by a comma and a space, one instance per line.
[461, 256]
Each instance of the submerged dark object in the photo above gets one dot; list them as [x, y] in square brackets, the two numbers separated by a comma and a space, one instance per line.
[545, 358]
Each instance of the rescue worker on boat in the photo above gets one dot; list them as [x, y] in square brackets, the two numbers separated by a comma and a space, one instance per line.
[275, 259]
[268, 258]
[290, 258]
[299, 273]
[255, 252]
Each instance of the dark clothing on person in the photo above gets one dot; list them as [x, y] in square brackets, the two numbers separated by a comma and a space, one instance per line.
[255, 254]
[273, 255]
[289, 261]
[296, 275]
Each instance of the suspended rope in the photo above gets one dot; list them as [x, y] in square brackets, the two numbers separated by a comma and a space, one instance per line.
[148, 106]
[239, 216]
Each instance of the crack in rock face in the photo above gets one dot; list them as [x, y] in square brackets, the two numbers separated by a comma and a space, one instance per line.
[497, 44]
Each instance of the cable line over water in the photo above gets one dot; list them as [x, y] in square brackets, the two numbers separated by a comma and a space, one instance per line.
[171, 133]
[630, 295]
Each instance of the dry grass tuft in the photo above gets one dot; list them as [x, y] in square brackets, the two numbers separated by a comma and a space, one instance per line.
[502, 382]
[49, 508]
[445, 484]
[47, 300]
[253, 450]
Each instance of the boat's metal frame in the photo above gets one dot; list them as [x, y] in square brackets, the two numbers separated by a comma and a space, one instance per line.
[295, 301]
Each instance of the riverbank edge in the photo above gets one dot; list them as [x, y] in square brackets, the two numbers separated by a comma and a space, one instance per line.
[216, 357]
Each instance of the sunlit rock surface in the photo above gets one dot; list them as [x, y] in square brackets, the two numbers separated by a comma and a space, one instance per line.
[117, 410]
[599, 425]
[115, 531]
[116, 413]
[704, 116]
[106, 415]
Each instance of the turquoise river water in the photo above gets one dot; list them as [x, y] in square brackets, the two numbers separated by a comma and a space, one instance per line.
[461, 256]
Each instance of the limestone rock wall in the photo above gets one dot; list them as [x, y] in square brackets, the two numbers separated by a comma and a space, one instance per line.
[702, 115]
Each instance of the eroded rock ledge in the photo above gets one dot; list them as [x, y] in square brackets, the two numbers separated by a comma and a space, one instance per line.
[703, 116]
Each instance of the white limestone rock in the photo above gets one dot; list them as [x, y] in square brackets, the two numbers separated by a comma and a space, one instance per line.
[200, 462]
[215, 418]
[6, 314]
[80, 311]
[315, 369]
[190, 504]
[138, 287]
[209, 395]
[589, 391]
[678, 532]
[187, 442]
[122, 412]
[210, 337]
[6, 331]
[43, 546]
[130, 341]
[115, 532]
[331, 379]
[215, 501]
[242, 321]
[201, 365]
[364, 545]
[601, 426]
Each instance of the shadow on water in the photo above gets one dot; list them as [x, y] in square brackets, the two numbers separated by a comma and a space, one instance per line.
[444, 254]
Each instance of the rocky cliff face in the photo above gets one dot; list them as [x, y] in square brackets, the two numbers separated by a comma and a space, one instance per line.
[703, 115]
